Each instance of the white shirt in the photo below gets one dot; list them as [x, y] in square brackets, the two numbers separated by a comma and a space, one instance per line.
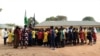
[4, 34]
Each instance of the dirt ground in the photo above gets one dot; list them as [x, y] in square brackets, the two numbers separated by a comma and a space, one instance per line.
[80, 50]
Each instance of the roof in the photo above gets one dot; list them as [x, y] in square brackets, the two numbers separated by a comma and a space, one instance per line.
[68, 23]
[4, 26]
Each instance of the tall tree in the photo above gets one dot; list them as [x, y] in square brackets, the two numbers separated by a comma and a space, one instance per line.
[0, 9]
[30, 21]
[34, 20]
[88, 18]
[57, 18]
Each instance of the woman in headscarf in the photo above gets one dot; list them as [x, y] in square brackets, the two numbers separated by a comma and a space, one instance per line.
[16, 37]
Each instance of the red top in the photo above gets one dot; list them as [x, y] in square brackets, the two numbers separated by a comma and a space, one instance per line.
[81, 35]
[40, 35]
[94, 35]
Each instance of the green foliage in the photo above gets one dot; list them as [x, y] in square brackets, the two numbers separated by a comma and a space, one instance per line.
[0, 9]
[88, 18]
[57, 18]
[30, 20]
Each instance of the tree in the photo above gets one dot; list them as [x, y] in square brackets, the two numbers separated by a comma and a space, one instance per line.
[30, 20]
[0, 9]
[57, 18]
[88, 18]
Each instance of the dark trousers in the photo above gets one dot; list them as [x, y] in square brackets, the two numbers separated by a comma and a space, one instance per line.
[34, 41]
[53, 43]
[5, 40]
[40, 42]
[62, 43]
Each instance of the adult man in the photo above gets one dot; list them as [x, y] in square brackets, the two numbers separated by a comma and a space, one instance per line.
[5, 35]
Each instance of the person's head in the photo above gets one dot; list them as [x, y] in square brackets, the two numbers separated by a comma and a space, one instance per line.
[17, 27]
[10, 30]
[25, 26]
[61, 27]
[5, 29]
[74, 29]
[51, 27]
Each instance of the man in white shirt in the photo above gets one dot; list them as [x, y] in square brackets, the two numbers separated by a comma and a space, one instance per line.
[5, 35]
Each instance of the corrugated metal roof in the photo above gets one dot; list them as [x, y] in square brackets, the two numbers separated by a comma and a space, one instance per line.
[68, 23]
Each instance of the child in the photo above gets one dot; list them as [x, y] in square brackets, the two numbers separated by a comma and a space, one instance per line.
[24, 39]
[10, 37]
[94, 35]
[81, 34]
[85, 34]
[45, 39]
[89, 36]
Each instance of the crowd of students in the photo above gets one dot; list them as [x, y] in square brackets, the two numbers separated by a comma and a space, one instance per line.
[50, 37]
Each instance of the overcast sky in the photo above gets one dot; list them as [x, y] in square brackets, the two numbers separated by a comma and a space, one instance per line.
[75, 10]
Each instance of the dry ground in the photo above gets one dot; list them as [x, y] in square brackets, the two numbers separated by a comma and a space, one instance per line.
[81, 50]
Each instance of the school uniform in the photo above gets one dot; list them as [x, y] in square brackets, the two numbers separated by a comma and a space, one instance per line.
[45, 39]
[34, 37]
[89, 36]
[40, 38]
[94, 36]
[57, 42]
[81, 35]
[70, 36]
[62, 39]
[52, 37]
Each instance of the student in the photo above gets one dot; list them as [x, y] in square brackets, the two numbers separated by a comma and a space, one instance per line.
[74, 36]
[56, 31]
[62, 39]
[45, 39]
[40, 37]
[70, 35]
[5, 35]
[89, 36]
[34, 36]
[16, 37]
[10, 37]
[94, 35]
[77, 36]
[57, 42]
[30, 40]
[81, 35]
[49, 39]
[85, 35]
[52, 36]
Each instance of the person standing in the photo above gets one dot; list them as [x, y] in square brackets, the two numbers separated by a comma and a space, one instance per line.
[85, 35]
[52, 37]
[5, 36]
[40, 37]
[89, 36]
[81, 34]
[10, 37]
[94, 35]
[62, 38]
[16, 37]
[45, 39]
[33, 37]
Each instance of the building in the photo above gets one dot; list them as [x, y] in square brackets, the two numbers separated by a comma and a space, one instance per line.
[47, 24]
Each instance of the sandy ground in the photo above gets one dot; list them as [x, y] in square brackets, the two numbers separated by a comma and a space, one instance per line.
[80, 50]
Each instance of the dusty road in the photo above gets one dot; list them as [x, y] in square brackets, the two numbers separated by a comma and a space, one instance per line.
[81, 50]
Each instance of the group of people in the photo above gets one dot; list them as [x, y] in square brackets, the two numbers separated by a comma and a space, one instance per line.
[51, 37]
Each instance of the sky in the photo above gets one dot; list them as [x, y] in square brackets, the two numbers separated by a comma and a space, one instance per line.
[13, 11]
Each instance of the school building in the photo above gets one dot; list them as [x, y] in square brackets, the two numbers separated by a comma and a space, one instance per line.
[47, 24]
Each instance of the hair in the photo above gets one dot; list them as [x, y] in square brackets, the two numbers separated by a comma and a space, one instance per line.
[51, 27]
[25, 26]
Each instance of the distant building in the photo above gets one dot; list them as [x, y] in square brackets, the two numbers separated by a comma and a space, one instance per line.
[47, 24]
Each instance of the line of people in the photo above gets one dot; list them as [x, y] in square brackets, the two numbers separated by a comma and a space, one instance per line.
[52, 37]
